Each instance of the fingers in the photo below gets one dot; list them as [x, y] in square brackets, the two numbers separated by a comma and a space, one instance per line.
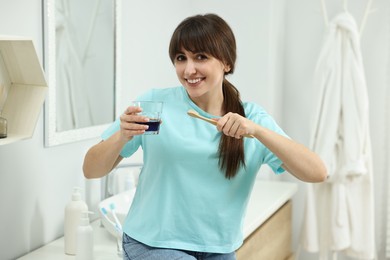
[132, 110]
[133, 118]
[233, 125]
[131, 123]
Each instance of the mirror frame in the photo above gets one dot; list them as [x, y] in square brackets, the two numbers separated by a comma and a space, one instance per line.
[52, 136]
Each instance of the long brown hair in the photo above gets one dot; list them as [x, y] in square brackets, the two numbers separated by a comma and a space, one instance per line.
[212, 35]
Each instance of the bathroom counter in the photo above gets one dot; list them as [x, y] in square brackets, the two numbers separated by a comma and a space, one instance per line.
[268, 222]
[267, 198]
[104, 247]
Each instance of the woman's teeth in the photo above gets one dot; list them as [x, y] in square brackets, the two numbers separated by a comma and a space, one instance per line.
[193, 81]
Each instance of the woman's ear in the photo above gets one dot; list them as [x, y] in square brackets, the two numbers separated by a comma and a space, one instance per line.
[226, 68]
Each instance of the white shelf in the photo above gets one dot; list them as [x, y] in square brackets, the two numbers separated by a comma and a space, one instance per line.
[22, 78]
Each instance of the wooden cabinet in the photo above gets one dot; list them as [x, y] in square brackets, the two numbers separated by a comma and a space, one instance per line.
[272, 240]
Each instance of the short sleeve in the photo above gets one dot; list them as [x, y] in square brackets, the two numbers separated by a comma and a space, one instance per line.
[270, 158]
[261, 117]
[130, 147]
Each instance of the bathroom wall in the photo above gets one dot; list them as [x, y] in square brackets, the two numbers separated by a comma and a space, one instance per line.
[304, 30]
[36, 182]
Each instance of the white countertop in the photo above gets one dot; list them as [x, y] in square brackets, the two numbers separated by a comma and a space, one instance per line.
[104, 247]
[266, 198]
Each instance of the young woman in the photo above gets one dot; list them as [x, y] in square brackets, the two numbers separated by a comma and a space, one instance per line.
[197, 178]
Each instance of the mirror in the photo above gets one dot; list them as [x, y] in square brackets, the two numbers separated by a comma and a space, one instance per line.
[81, 62]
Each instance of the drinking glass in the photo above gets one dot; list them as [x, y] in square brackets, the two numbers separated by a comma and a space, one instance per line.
[152, 110]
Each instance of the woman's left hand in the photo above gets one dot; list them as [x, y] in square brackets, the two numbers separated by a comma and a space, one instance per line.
[235, 125]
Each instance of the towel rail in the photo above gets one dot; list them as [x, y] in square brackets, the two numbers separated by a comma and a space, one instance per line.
[367, 11]
[324, 13]
[345, 5]
[105, 180]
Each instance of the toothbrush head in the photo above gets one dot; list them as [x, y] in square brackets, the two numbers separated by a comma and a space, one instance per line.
[104, 211]
[112, 206]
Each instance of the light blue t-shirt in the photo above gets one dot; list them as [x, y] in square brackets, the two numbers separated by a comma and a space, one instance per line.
[183, 199]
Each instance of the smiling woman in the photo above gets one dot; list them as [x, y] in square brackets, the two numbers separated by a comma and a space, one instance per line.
[81, 65]
[197, 177]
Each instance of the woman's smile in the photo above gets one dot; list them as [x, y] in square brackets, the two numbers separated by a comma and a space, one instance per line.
[193, 82]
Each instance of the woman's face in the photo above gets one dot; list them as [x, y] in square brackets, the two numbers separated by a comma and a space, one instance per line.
[200, 73]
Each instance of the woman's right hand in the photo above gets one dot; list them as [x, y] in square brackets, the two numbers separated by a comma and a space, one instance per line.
[128, 123]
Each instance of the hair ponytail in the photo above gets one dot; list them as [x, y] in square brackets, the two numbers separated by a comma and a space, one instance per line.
[231, 150]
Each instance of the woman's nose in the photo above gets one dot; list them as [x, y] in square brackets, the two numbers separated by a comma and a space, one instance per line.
[190, 68]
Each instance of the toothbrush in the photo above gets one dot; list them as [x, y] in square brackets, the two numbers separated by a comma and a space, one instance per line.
[105, 214]
[112, 207]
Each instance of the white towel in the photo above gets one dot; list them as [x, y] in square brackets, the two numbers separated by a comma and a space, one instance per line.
[340, 213]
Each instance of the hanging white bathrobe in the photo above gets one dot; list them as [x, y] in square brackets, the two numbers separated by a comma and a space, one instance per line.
[339, 213]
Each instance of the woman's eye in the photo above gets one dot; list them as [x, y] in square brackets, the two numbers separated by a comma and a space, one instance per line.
[180, 57]
[201, 57]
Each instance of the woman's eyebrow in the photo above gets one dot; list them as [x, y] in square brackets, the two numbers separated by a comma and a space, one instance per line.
[179, 54]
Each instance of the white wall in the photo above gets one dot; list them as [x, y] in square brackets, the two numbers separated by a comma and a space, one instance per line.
[36, 182]
[304, 30]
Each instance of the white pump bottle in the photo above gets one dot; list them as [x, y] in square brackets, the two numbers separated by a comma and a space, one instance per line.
[73, 212]
[84, 247]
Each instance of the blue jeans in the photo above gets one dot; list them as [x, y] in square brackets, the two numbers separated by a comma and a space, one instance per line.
[135, 250]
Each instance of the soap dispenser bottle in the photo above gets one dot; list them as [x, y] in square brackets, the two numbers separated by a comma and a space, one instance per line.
[84, 246]
[73, 212]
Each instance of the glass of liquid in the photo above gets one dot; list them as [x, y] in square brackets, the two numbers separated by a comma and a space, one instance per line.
[3, 127]
[152, 110]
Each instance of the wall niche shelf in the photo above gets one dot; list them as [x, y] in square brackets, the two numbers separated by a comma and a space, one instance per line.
[23, 87]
